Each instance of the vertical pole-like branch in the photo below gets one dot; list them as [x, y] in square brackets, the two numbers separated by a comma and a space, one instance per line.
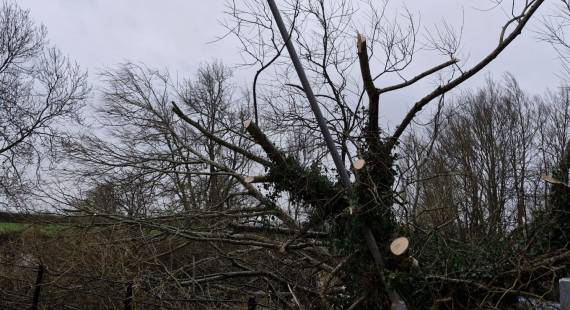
[251, 303]
[345, 179]
[37, 287]
[564, 285]
[129, 297]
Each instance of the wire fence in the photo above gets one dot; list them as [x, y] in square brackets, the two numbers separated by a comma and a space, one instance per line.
[24, 286]
[37, 287]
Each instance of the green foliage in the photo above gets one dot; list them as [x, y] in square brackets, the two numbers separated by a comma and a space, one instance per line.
[371, 204]
[559, 215]
[311, 186]
[6, 228]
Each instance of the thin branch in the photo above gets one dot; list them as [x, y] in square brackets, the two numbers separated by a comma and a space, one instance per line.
[419, 76]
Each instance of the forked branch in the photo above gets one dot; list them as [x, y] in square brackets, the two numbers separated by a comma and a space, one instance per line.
[441, 90]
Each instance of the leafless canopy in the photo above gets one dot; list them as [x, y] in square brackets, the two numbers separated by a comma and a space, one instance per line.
[39, 89]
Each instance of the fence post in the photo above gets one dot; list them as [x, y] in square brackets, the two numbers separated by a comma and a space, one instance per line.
[251, 303]
[564, 285]
[129, 297]
[37, 287]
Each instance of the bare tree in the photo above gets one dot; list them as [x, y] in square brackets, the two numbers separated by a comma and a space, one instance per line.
[39, 90]
[328, 59]
[555, 30]
[481, 162]
[150, 144]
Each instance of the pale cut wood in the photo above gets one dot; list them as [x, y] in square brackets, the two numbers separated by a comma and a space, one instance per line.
[360, 42]
[550, 179]
[247, 123]
[399, 246]
[249, 179]
[359, 164]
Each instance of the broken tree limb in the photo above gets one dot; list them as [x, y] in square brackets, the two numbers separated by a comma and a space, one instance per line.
[216, 139]
[257, 179]
[279, 213]
[552, 180]
[260, 138]
[277, 230]
[372, 134]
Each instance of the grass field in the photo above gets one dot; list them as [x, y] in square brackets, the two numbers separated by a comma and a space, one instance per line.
[12, 227]
[7, 228]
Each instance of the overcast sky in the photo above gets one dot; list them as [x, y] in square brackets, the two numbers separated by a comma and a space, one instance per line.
[174, 34]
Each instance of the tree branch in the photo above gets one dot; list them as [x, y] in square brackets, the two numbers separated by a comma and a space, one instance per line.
[216, 139]
[418, 77]
[372, 130]
[418, 106]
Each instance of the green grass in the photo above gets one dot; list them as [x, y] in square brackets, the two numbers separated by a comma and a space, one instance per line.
[50, 229]
[6, 228]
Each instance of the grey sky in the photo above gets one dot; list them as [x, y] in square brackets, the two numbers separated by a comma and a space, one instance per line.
[100, 33]
[174, 34]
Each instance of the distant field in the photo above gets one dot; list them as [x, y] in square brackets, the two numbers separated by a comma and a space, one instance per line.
[8, 228]
[12, 227]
